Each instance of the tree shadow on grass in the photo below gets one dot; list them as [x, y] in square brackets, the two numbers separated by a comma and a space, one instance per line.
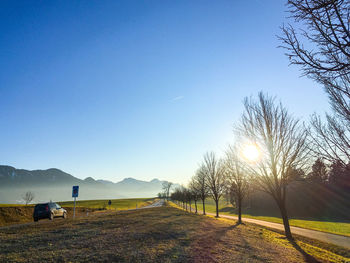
[217, 234]
[228, 209]
[308, 258]
[202, 244]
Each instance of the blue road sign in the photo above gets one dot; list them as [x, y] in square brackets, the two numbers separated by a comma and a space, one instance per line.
[75, 191]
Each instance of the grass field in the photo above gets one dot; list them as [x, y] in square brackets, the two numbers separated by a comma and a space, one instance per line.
[24, 214]
[119, 204]
[13, 205]
[16, 214]
[163, 234]
[340, 228]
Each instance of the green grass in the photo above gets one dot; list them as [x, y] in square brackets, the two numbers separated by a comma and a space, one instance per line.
[340, 228]
[324, 226]
[119, 204]
[320, 252]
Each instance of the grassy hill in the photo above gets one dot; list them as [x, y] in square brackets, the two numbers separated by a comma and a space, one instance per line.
[15, 214]
[163, 234]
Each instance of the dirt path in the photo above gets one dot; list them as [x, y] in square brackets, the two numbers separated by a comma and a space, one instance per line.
[342, 241]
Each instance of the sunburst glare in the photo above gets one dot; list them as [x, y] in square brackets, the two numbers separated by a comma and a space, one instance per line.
[251, 152]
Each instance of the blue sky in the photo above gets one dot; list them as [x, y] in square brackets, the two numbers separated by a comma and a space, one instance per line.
[115, 89]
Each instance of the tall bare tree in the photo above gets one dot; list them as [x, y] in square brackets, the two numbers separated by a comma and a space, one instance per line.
[331, 139]
[179, 196]
[322, 49]
[28, 197]
[194, 187]
[282, 142]
[189, 198]
[166, 186]
[200, 181]
[237, 177]
[325, 28]
[215, 177]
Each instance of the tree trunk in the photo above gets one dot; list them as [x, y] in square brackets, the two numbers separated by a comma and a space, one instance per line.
[284, 215]
[195, 204]
[217, 207]
[239, 210]
[186, 206]
[203, 206]
[190, 206]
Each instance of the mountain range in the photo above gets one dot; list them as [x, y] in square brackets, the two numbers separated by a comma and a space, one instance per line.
[56, 185]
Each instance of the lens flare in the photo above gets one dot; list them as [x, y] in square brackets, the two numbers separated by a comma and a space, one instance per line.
[251, 152]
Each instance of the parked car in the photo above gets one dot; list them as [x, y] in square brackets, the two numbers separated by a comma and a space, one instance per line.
[48, 210]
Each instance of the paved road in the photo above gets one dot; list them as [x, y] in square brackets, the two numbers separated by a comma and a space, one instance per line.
[157, 203]
[338, 240]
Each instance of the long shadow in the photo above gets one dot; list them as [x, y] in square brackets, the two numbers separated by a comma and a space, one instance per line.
[234, 226]
[230, 210]
[306, 256]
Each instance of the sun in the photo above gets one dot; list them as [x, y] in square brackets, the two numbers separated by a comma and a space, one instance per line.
[251, 152]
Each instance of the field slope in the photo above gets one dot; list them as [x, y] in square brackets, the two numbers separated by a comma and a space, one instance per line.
[16, 214]
[163, 234]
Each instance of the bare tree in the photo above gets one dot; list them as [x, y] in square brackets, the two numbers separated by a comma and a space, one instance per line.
[237, 177]
[179, 196]
[322, 49]
[189, 198]
[28, 197]
[161, 195]
[200, 180]
[166, 186]
[215, 178]
[282, 142]
[325, 27]
[194, 187]
[330, 140]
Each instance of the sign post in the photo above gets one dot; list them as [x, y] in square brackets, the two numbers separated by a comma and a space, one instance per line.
[75, 193]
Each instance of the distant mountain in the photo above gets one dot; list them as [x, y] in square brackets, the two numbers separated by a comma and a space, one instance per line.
[10, 176]
[54, 184]
[105, 182]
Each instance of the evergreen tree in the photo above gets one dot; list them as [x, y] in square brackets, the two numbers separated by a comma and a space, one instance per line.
[319, 172]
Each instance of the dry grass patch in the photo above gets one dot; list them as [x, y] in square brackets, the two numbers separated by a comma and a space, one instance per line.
[10, 215]
[162, 234]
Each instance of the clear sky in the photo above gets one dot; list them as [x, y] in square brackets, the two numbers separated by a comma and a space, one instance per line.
[115, 89]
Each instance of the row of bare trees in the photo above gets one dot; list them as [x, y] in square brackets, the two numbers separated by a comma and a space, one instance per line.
[280, 141]
[166, 188]
[317, 40]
